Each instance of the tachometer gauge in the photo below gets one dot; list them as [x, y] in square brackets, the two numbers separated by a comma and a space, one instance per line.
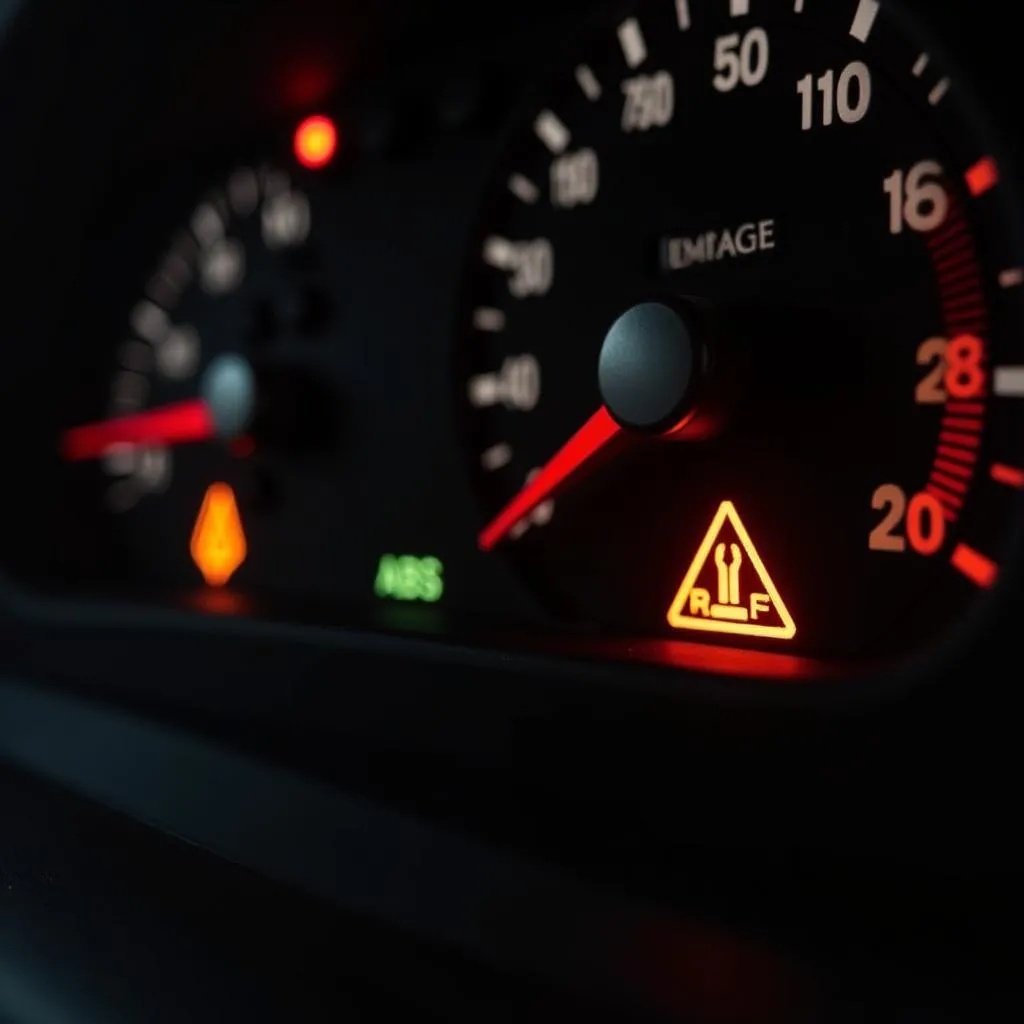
[742, 355]
[220, 396]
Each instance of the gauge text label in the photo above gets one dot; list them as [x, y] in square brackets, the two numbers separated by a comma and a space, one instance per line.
[713, 246]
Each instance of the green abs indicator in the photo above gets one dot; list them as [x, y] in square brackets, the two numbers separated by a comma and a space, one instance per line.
[408, 578]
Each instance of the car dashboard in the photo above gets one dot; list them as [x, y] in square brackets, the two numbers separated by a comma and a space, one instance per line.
[512, 511]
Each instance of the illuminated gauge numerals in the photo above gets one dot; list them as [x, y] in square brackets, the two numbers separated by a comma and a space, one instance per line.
[834, 256]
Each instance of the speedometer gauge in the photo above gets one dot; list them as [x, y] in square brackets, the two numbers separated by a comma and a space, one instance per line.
[742, 355]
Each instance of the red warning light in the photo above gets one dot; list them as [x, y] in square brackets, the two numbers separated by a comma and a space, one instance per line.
[728, 567]
[316, 142]
[982, 176]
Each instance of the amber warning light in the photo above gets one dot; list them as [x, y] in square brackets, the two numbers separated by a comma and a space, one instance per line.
[218, 541]
[315, 142]
[727, 588]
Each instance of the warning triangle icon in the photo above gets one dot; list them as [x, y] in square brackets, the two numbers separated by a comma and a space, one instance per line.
[727, 588]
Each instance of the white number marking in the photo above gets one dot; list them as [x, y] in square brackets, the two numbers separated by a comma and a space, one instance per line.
[499, 253]
[222, 266]
[850, 113]
[1008, 381]
[631, 39]
[532, 264]
[285, 220]
[149, 322]
[864, 20]
[740, 59]
[587, 81]
[177, 356]
[153, 468]
[917, 199]
[496, 457]
[516, 385]
[940, 90]
[522, 188]
[119, 459]
[550, 130]
[649, 101]
[836, 97]
[533, 268]
[574, 179]
[206, 224]
[484, 390]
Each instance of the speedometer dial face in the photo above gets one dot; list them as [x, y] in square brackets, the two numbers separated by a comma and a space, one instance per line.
[745, 307]
[216, 444]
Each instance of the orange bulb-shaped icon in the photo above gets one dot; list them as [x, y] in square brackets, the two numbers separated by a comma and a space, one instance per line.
[218, 540]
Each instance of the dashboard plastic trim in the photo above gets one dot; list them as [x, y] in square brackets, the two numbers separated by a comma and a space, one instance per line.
[364, 858]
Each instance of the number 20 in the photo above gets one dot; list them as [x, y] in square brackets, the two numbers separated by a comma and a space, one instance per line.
[925, 522]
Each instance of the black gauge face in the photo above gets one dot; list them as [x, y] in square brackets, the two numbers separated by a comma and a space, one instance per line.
[234, 290]
[747, 285]
[219, 432]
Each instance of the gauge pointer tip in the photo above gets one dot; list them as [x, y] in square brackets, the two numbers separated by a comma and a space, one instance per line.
[595, 438]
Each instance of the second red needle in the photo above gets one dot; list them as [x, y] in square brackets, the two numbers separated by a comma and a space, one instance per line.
[178, 423]
[224, 410]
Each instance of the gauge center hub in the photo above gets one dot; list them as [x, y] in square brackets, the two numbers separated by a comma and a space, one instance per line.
[229, 389]
[649, 367]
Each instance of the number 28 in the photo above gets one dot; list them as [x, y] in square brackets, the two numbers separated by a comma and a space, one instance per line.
[955, 369]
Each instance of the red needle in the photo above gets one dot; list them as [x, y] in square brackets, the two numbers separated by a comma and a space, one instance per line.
[599, 436]
[177, 423]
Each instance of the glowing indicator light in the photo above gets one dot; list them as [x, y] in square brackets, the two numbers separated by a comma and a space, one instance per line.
[218, 541]
[727, 588]
[984, 175]
[316, 142]
[409, 578]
